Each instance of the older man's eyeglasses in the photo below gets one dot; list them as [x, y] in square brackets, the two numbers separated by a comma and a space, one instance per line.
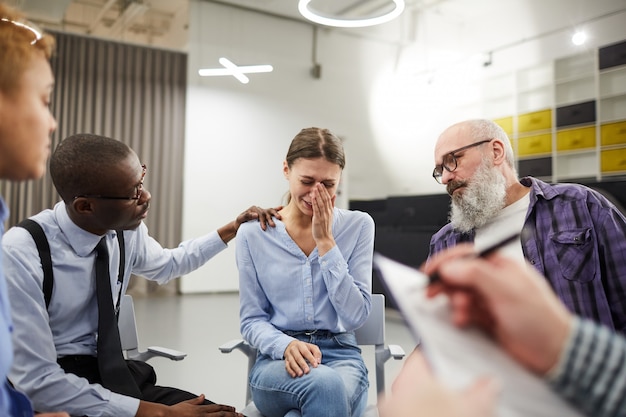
[449, 162]
[136, 196]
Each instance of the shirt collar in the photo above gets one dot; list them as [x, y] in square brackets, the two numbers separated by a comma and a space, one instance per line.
[539, 188]
[81, 241]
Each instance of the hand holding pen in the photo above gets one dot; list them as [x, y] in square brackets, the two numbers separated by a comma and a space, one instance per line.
[508, 300]
[434, 276]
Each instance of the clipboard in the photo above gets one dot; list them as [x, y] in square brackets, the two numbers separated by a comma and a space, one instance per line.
[459, 356]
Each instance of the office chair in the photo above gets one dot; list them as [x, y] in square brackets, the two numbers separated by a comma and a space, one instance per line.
[130, 342]
[371, 333]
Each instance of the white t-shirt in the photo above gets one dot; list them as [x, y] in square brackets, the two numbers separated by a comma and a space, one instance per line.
[509, 221]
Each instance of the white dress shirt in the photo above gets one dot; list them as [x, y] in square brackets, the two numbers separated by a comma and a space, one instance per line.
[69, 326]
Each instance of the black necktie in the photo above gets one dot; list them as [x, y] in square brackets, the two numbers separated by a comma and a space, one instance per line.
[111, 364]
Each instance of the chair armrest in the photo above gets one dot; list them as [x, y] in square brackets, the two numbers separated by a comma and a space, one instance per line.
[251, 353]
[239, 344]
[396, 352]
[232, 345]
[383, 354]
[172, 354]
[155, 351]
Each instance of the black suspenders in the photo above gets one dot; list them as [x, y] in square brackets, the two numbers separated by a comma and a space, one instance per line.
[44, 253]
[43, 248]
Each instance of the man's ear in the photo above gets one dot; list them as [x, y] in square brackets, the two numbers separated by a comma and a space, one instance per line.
[499, 153]
[82, 205]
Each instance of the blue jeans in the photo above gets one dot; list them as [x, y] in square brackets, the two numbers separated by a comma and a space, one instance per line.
[336, 388]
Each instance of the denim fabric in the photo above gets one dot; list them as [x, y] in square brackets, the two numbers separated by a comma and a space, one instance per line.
[336, 388]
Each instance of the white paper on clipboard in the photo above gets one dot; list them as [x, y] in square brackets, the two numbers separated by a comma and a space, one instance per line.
[459, 356]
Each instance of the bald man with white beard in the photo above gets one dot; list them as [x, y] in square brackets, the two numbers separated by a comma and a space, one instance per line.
[572, 234]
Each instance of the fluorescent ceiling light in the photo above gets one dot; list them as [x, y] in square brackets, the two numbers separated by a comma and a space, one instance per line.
[317, 17]
[238, 72]
[234, 70]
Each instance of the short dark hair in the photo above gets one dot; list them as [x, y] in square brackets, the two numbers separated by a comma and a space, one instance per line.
[314, 142]
[80, 162]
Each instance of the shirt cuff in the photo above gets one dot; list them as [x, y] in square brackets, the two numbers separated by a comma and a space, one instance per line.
[122, 405]
[214, 241]
[278, 351]
[331, 258]
[559, 367]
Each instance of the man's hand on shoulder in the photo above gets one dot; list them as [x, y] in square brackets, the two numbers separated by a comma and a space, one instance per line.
[264, 216]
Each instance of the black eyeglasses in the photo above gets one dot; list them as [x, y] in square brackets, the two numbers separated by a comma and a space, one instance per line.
[138, 190]
[449, 162]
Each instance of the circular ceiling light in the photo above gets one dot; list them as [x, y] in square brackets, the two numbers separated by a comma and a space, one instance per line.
[317, 17]
[579, 38]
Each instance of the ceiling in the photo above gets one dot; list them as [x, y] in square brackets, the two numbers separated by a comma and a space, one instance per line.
[164, 23]
[154, 21]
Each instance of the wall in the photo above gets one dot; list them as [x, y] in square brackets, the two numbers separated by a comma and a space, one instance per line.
[440, 71]
[237, 135]
[388, 92]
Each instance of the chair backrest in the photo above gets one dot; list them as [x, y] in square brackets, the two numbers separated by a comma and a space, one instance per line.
[373, 330]
[130, 340]
[127, 326]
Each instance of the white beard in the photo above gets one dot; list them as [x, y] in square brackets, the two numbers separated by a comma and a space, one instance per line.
[480, 201]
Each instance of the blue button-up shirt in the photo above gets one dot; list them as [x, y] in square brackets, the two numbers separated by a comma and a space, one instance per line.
[283, 289]
[12, 403]
[576, 238]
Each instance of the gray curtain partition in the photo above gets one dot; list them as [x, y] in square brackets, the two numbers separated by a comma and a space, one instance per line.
[130, 93]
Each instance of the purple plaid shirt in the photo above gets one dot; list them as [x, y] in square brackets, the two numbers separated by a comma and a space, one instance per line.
[576, 238]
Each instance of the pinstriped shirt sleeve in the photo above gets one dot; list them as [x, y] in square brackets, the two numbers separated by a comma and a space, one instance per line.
[591, 373]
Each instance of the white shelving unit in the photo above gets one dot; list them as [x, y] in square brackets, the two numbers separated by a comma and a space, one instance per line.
[566, 118]
[576, 153]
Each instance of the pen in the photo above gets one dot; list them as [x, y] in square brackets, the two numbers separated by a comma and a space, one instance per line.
[434, 277]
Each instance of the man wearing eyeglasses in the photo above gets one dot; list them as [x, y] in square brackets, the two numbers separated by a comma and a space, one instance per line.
[58, 358]
[572, 234]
